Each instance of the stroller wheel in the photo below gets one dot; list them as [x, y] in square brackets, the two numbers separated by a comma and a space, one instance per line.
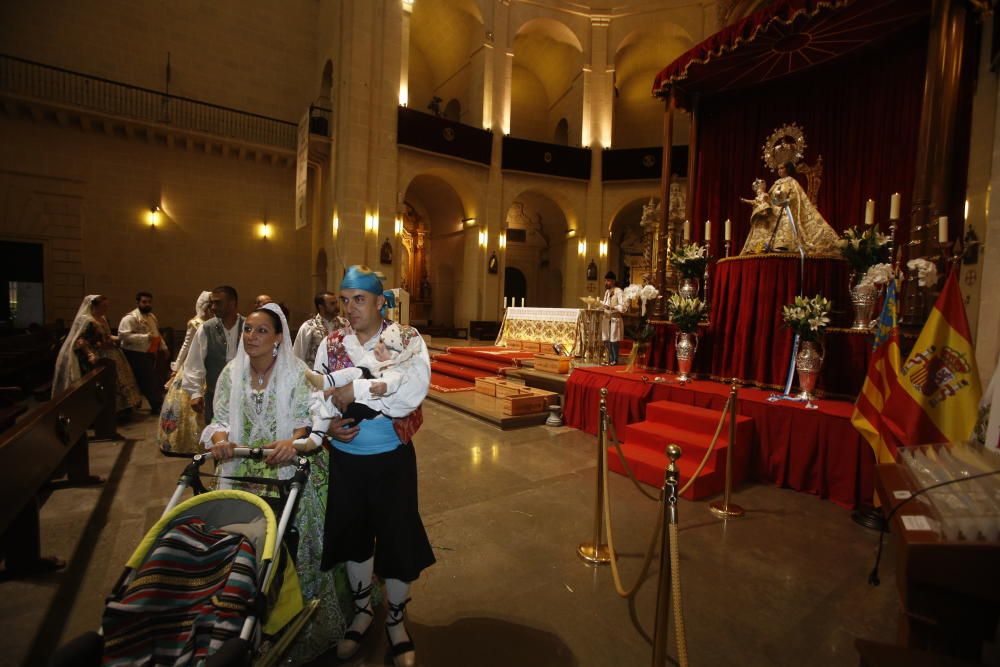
[234, 652]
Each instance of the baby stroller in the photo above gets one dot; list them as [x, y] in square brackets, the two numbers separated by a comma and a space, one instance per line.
[212, 582]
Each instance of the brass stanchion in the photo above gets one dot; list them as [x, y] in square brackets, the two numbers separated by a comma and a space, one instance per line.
[596, 552]
[665, 584]
[725, 509]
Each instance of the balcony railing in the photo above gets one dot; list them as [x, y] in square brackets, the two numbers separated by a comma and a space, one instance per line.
[637, 164]
[538, 157]
[62, 86]
[439, 135]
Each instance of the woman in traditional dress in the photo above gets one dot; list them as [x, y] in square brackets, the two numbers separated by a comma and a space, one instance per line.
[262, 400]
[89, 340]
[770, 228]
[180, 426]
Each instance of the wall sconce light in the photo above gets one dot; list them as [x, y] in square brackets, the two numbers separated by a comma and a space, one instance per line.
[502, 240]
[265, 230]
[571, 233]
[408, 5]
[469, 221]
[603, 248]
[399, 225]
[335, 224]
[581, 247]
[371, 223]
[484, 238]
[154, 216]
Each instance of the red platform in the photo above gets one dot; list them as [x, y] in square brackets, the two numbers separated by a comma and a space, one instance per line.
[814, 451]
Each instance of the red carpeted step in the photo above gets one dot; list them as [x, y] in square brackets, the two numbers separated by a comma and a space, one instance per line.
[459, 371]
[494, 367]
[648, 466]
[692, 418]
[447, 383]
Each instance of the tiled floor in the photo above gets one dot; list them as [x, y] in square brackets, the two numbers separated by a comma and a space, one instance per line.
[505, 511]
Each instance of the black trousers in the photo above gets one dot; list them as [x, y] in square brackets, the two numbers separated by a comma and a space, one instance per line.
[144, 367]
[372, 509]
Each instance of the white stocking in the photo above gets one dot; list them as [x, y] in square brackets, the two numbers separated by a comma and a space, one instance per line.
[397, 594]
[360, 577]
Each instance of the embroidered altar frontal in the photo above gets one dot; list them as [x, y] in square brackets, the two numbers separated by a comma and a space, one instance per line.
[541, 325]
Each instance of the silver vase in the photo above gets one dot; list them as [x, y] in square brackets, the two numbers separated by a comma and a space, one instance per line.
[686, 345]
[808, 363]
[688, 288]
[863, 301]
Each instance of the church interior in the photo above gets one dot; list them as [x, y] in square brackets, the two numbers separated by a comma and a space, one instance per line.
[706, 326]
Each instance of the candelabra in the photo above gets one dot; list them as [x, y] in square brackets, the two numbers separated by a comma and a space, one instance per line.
[725, 245]
[705, 286]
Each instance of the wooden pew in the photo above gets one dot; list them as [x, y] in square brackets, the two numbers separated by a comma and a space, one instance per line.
[50, 440]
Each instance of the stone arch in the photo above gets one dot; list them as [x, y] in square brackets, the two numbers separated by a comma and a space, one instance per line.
[444, 34]
[435, 233]
[546, 80]
[541, 255]
[626, 244]
[637, 118]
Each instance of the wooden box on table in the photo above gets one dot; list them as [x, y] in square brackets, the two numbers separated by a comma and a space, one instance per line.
[529, 401]
[552, 363]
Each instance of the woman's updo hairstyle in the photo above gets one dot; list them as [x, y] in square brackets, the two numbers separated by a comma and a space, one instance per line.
[274, 318]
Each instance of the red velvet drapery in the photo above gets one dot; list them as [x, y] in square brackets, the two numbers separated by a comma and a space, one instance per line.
[860, 112]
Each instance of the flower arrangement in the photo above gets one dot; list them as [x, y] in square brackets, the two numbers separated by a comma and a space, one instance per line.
[863, 248]
[641, 293]
[807, 317]
[689, 260]
[875, 276]
[927, 275]
[685, 312]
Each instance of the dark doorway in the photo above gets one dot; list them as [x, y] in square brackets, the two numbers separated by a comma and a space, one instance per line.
[515, 285]
[21, 279]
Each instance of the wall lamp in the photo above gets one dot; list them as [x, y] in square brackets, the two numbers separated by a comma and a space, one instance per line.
[469, 221]
[581, 247]
[398, 226]
[502, 240]
[265, 230]
[154, 216]
[603, 248]
[484, 238]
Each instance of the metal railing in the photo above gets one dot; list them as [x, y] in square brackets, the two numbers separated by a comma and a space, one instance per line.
[62, 86]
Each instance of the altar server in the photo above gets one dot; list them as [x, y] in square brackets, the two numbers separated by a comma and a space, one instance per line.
[614, 305]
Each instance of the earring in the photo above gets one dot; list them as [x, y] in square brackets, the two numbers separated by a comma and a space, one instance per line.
[275, 352]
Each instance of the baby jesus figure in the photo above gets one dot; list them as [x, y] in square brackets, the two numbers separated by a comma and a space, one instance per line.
[378, 369]
[761, 199]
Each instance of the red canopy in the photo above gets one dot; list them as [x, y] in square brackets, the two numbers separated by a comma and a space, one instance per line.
[786, 37]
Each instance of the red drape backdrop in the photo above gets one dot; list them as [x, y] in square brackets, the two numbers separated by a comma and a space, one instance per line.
[860, 112]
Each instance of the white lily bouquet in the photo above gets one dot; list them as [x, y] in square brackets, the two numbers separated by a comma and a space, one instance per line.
[863, 248]
[689, 260]
[685, 312]
[808, 316]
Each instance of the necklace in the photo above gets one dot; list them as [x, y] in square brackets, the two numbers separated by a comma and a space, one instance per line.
[258, 400]
[260, 376]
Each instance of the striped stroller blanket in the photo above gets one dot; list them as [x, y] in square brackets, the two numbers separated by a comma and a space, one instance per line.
[190, 595]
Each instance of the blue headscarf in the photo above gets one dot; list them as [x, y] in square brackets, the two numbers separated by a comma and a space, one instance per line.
[363, 278]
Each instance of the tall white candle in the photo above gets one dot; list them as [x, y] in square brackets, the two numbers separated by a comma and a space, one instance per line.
[869, 213]
[729, 230]
[943, 229]
[687, 230]
[522, 302]
[894, 207]
[708, 230]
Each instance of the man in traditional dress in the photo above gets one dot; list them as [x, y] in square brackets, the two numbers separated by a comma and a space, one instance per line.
[145, 349]
[315, 330]
[614, 305]
[372, 520]
[213, 347]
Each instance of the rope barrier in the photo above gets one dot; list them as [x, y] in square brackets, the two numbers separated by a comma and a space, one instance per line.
[620, 589]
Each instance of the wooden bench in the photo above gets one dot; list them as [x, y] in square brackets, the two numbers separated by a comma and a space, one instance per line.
[48, 442]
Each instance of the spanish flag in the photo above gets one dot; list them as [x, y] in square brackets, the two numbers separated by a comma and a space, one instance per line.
[883, 372]
[937, 398]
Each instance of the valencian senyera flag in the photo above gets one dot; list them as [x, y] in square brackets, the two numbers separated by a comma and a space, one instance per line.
[937, 398]
[882, 377]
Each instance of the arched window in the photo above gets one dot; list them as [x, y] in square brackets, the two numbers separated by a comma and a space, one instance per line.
[561, 135]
